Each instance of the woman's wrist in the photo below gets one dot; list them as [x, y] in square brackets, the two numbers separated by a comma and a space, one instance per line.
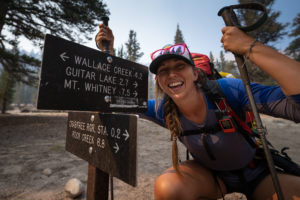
[249, 50]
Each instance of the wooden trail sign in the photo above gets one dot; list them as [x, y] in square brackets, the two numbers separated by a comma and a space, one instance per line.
[106, 141]
[75, 77]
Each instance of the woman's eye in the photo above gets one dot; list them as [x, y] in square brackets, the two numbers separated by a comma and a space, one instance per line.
[180, 67]
[162, 71]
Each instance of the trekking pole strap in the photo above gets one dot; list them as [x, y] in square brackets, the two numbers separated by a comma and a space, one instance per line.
[251, 6]
[230, 19]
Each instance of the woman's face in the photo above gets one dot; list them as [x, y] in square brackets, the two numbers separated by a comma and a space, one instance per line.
[176, 78]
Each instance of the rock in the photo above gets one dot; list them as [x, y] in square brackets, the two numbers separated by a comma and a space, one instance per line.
[82, 177]
[74, 188]
[47, 171]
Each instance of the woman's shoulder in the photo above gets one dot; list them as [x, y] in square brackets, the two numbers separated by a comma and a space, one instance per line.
[229, 82]
[231, 87]
[154, 113]
[235, 88]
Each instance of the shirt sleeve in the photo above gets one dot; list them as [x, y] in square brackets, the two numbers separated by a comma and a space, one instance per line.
[153, 115]
[269, 100]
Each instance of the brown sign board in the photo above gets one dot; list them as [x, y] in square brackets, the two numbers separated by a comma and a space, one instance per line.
[75, 77]
[106, 141]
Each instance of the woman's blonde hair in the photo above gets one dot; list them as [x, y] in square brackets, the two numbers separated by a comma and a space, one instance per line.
[171, 114]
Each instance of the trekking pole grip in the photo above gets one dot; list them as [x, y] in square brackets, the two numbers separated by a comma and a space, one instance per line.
[230, 19]
[105, 43]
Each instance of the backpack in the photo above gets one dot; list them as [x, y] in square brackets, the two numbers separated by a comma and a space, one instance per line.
[202, 62]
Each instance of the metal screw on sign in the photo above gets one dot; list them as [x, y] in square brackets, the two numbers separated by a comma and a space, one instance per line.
[90, 150]
[109, 59]
[107, 99]
[92, 118]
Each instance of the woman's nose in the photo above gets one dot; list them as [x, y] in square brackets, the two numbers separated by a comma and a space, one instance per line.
[172, 72]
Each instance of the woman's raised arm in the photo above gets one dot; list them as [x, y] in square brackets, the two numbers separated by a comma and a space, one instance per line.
[283, 69]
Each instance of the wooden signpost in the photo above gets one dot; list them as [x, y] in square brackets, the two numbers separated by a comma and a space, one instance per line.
[77, 78]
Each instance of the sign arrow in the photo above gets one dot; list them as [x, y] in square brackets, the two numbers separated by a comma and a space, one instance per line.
[126, 134]
[135, 84]
[135, 94]
[63, 56]
[116, 148]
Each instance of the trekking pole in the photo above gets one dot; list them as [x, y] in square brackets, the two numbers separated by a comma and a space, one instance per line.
[230, 19]
[105, 44]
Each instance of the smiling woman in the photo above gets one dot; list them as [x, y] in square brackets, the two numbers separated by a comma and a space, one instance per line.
[225, 155]
[176, 78]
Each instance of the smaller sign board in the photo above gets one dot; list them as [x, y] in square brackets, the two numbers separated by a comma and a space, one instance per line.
[106, 141]
[75, 77]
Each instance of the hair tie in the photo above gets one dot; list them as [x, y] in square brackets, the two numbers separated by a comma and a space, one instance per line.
[250, 48]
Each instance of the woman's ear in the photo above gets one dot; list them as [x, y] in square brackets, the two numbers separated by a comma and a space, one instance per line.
[196, 74]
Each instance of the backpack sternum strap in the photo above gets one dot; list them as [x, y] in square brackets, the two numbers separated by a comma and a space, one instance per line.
[210, 130]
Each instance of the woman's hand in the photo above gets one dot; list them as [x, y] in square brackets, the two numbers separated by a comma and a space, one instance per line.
[235, 40]
[105, 33]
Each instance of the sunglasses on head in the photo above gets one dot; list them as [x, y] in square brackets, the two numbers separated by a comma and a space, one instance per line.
[178, 49]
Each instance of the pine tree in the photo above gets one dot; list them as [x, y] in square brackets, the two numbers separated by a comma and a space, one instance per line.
[293, 49]
[7, 84]
[133, 47]
[211, 57]
[231, 67]
[32, 19]
[268, 33]
[24, 94]
[17, 94]
[178, 36]
[222, 61]
[218, 65]
[271, 30]
[121, 52]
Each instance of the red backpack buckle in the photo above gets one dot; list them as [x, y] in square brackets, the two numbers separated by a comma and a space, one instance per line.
[227, 124]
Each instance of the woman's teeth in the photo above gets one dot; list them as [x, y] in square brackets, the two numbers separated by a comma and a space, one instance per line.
[175, 84]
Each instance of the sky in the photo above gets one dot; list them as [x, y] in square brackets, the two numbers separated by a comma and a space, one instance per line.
[155, 23]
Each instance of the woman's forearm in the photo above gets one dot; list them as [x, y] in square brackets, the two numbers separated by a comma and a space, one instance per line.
[284, 70]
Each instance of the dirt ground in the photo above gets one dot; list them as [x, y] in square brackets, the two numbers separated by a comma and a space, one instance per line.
[32, 142]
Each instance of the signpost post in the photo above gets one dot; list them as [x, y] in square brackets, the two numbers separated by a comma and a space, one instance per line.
[78, 78]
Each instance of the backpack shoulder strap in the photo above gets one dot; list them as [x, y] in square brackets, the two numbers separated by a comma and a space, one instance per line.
[213, 89]
[215, 94]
